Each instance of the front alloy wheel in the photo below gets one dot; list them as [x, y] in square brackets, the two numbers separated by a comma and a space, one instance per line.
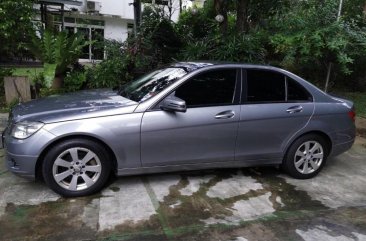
[76, 167]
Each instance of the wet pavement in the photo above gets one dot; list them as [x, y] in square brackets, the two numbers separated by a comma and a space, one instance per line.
[226, 205]
[234, 204]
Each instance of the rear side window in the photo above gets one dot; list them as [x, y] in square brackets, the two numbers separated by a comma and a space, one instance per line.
[211, 88]
[296, 92]
[265, 86]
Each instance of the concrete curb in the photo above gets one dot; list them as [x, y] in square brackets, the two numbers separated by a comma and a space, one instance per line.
[3, 120]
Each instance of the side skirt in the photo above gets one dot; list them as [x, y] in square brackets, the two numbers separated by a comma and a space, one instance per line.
[191, 167]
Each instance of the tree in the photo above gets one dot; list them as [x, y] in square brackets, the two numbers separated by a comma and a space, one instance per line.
[15, 27]
[221, 9]
[242, 24]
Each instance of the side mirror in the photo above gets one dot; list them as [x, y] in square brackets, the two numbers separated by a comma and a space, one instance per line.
[172, 103]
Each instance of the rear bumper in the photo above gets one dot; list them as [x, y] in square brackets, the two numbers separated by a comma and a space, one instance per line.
[342, 147]
[23, 166]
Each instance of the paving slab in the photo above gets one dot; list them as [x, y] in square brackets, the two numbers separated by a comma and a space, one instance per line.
[244, 204]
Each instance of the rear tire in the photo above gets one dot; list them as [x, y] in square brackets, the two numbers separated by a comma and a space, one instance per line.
[76, 167]
[306, 156]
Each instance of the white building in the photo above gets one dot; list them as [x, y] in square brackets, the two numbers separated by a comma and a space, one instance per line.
[108, 19]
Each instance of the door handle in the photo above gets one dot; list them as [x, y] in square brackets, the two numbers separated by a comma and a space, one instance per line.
[225, 114]
[294, 109]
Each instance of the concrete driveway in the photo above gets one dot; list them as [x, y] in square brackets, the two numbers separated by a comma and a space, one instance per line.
[233, 204]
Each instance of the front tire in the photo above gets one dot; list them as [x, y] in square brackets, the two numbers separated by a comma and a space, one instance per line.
[76, 167]
[306, 156]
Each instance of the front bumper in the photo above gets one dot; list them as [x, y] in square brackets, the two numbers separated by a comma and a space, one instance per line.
[23, 166]
[21, 155]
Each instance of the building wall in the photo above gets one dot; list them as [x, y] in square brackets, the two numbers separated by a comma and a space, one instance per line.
[117, 8]
[115, 29]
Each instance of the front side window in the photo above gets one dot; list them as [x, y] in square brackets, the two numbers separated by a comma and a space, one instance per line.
[151, 84]
[209, 89]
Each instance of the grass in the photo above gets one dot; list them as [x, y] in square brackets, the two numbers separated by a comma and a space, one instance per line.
[30, 72]
[359, 98]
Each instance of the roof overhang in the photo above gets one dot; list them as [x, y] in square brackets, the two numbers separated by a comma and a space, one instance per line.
[61, 2]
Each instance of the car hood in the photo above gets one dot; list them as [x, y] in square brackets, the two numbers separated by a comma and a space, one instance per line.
[77, 105]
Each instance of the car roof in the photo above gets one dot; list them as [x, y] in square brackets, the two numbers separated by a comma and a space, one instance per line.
[190, 66]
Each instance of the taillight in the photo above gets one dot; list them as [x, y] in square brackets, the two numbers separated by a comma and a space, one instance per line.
[352, 115]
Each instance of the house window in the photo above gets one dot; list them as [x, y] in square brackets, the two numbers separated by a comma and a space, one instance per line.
[93, 31]
[158, 2]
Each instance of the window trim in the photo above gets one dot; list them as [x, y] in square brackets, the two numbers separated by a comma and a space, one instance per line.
[244, 95]
[236, 96]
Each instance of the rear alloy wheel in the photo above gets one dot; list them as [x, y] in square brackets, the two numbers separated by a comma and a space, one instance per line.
[306, 157]
[76, 168]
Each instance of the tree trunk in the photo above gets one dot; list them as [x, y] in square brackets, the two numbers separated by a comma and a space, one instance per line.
[170, 8]
[137, 14]
[242, 24]
[327, 80]
[221, 9]
[180, 6]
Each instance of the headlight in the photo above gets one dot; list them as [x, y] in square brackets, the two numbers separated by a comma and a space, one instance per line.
[25, 129]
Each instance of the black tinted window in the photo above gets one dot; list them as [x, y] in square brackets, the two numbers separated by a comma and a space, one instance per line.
[209, 88]
[265, 86]
[295, 92]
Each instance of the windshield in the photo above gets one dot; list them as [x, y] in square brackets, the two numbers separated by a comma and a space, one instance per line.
[151, 84]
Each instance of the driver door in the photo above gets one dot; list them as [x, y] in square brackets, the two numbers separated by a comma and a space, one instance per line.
[205, 133]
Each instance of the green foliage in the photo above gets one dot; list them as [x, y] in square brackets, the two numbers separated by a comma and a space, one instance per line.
[302, 36]
[74, 80]
[13, 103]
[235, 48]
[195, 25]
[112, 71]
[204, 41]
[15, 27]
[57, 51]
[3, 73]
[30, 72]
[44, 92]
[156, 44]
[38, 79]
[305, 43]
[359, 99]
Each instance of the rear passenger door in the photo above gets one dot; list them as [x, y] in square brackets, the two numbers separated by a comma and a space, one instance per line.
[273, 108]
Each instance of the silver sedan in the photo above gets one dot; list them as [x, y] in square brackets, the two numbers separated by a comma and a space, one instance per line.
[186, 116]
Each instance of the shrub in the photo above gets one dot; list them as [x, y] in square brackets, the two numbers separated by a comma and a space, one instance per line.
[74, 80]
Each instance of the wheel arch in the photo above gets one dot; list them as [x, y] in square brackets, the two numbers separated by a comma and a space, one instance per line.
[38, 170]
[322, 134]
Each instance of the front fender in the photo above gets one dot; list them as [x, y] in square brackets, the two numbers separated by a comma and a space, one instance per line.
[120, 132]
